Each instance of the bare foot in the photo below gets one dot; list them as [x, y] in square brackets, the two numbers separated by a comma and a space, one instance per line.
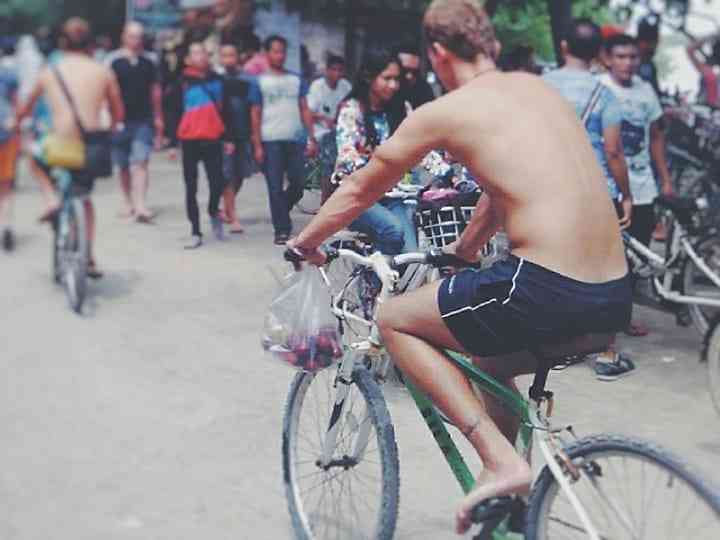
[236, 228]
[513, 480]
[126, 213]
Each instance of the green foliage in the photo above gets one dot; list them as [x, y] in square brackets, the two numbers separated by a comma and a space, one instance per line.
[528, 23]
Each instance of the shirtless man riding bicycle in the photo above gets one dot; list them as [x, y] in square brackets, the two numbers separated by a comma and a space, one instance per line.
[567, 274]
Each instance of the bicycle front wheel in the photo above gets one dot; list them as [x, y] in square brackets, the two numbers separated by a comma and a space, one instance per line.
[630, 489]
[713, 360]
[356, 495]
[696, 283]
[72, 253]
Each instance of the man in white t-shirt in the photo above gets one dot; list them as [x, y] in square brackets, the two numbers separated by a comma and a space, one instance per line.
[281, 121]
[642, 137]
[324, 98]
[325, 95]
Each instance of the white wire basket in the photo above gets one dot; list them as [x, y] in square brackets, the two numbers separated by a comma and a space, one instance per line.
[443, 226]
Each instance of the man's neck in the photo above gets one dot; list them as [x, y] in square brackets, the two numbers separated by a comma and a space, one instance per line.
[576, 63]
[83, 54]
[465, 72]
[131, 53]
[277, 71]
[620, 82]
[331, 84]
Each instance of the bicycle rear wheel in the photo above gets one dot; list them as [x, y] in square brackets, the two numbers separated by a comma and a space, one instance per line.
[630, 489]
[354, 497]
[72, 253]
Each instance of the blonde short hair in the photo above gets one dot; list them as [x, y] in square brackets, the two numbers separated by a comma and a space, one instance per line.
[461, 26]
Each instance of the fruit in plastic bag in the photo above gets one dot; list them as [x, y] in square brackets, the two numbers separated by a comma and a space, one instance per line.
[300, 329]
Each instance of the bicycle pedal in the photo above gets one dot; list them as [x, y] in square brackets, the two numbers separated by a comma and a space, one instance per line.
[491, 509]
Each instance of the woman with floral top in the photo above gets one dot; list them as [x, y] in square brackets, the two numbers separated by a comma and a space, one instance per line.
[366, 120]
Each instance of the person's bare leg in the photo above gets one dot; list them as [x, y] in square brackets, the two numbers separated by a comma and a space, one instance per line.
[90, 222]
[126, 188]
[52, 201]
[230, 210]
[6, 194]
[412, 329]
[140, 182]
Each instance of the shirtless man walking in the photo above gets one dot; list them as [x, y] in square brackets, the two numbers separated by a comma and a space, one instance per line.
[91, 85]
[566, 275]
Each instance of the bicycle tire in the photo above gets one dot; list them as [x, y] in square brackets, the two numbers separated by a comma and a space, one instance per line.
[712, 355]
[387, 450]
[73, 249]
[701, 315]
[596, 447]
[55, 265]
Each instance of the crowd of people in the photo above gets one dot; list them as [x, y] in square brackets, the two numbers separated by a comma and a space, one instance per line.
[226, 101]
[558, 187]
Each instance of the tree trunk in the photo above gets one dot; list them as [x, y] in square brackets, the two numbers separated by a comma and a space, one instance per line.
[560, 18]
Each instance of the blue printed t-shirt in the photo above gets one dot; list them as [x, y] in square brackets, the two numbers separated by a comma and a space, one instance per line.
[279, 95]
[8, 90]
[640, 108]
[577, 87]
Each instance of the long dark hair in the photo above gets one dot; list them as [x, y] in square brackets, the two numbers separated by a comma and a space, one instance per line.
[374, 62]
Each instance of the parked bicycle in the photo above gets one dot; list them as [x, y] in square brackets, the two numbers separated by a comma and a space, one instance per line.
[689, 272]
[341, 465]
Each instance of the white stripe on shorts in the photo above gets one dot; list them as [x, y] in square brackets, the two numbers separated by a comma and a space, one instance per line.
[509, 297]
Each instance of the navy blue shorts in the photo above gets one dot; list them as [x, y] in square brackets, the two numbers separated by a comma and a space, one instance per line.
[516, 305]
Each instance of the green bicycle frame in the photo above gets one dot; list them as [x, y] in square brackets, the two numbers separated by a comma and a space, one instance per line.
[511, 399]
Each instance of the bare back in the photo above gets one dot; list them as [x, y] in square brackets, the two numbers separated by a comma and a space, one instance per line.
[90, 84]
[532, 155]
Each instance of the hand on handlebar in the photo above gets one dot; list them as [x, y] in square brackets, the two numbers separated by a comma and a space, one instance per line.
[296, 255]
[452, 249]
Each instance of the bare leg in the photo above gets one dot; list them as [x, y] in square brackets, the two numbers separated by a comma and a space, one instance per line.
[90, 220]
[140, 182]
[6, 196]
[230, 210]
[52, 202]
[126, 186]
[412, 329]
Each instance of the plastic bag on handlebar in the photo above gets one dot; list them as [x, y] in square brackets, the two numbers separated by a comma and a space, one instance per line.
[300, 329]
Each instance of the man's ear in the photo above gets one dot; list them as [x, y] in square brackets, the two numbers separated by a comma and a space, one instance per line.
[438, 50]
[564, 48]
[497, 49]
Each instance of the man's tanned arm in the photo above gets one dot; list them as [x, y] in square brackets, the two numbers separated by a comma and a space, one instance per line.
[417, 135]
[484, 224]
[618, 168]
[114, 97]
[657, 150]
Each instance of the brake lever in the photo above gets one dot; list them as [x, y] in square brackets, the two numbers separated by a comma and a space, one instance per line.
[295, 258]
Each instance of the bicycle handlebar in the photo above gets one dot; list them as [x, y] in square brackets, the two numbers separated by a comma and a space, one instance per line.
[434, 257]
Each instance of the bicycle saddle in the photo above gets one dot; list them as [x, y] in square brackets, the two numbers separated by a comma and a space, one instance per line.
[682, 207]
[578, 346]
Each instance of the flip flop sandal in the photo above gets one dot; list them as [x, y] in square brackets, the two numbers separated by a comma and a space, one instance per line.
[93, 272]
[493, 508]
[145, 219]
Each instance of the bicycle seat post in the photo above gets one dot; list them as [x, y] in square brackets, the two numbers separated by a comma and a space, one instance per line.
[537, 390]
